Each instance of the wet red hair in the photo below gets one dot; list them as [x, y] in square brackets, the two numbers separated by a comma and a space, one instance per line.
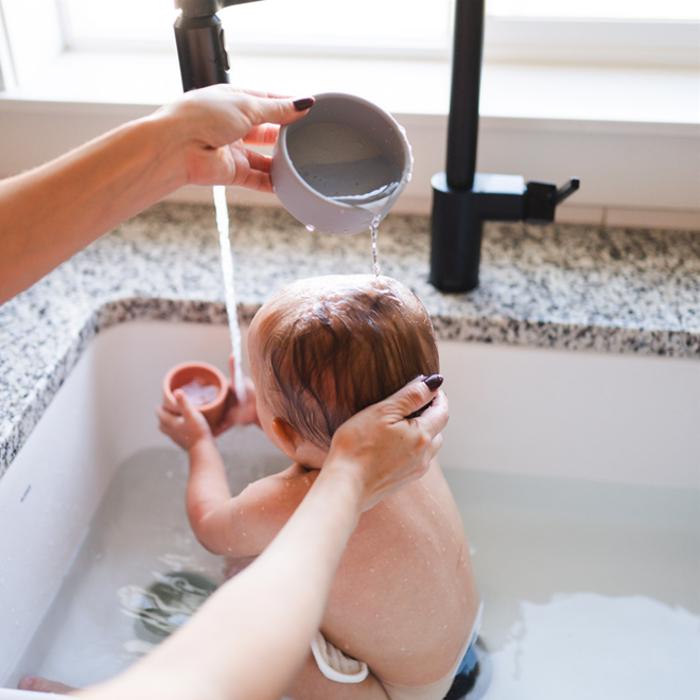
[331, 346]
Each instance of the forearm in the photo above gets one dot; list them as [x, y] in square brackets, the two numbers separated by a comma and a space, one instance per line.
[207, 494]
[271, 610]
[51, 212]
[298, 571]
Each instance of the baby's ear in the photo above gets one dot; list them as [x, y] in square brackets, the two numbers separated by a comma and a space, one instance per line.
[285, 434]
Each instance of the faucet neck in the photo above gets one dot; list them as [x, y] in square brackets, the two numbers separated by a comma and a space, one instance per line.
[463, 123]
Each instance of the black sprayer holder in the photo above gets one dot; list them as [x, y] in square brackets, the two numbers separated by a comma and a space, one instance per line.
[462, 198]
[201, 45]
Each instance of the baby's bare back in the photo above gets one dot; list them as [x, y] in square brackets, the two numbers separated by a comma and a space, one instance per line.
[404, 597]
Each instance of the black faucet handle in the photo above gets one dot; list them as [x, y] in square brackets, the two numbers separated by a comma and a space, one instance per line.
[540, 201]
[567, 189]
[542, 198]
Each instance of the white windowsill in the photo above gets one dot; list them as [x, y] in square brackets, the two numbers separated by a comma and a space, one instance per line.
[631, 134]
[597, 94]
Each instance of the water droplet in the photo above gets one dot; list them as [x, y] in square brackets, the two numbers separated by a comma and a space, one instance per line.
[374, 232]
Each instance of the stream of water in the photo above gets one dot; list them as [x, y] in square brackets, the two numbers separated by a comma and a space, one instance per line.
[223, 226]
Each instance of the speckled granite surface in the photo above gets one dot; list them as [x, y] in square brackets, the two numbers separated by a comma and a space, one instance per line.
[565, 287]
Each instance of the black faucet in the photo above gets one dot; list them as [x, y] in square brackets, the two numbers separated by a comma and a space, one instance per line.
[462, 198]
[201, 45]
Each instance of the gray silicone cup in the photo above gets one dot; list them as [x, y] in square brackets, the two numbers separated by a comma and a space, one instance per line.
[312, 208]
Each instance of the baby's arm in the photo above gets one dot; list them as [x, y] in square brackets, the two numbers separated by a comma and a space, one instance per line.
[238, 527]
[207, 494]
[244, 525]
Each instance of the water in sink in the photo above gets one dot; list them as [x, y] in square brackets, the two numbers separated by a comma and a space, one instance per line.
[91, 632]
[591, 590]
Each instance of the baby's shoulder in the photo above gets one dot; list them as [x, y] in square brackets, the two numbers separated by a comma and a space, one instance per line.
[296, 476]
[298, 471]
[285, 488]
[269, 502]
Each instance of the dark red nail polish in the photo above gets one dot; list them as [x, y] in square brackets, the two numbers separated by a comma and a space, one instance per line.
[301, 105]
[434, 381]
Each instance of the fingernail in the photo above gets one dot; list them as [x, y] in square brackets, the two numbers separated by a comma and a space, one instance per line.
[434, 381]
[304, 103]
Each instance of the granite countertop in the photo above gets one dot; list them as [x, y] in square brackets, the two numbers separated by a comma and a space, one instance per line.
[560, 286]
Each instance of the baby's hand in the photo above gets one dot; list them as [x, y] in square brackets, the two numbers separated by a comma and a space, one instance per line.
[186, 427]
[238, 412]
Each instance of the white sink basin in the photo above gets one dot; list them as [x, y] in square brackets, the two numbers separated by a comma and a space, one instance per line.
[578, 477]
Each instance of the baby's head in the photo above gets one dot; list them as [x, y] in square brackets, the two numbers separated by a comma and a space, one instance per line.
[324, 348]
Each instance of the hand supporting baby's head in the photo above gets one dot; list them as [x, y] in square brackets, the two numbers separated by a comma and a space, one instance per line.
[324, 348]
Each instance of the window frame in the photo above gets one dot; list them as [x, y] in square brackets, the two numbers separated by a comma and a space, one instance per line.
[7, 74]
[23, 54]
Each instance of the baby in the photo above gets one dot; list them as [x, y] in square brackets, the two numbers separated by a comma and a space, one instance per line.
[402, 615]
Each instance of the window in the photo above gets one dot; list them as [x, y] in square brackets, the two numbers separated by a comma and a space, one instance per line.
[589, 32]
[580, 31]
[71, 69]
[598, 9]
[385, 26]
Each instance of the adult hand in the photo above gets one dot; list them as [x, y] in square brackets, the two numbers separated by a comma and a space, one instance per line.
[204, 138]
[219, 124]
[383, 448]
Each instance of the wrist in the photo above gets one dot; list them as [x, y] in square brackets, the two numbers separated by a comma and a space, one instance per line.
[201, 446]
[344, 473]
[169, 136]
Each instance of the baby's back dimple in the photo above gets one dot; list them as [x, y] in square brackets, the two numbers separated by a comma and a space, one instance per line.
[404, 596]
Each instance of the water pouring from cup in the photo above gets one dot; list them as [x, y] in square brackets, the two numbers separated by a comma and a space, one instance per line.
[341, 169]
